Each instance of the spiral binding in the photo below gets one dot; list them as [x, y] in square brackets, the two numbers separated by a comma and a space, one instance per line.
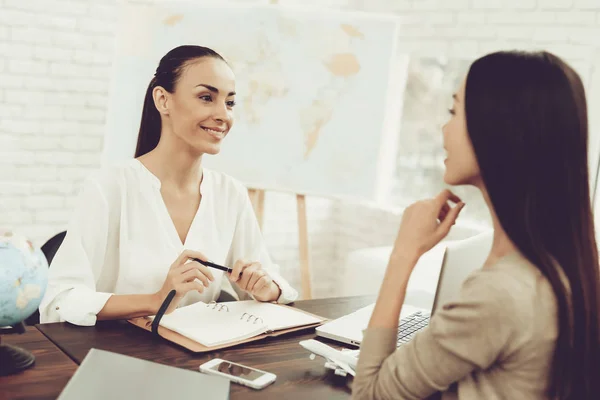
[216, 306]
[245, 316]
[250, 317]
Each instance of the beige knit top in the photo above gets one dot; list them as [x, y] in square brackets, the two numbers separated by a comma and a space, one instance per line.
[496, 341]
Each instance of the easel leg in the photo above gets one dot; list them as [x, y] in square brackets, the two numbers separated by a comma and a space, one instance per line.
[257, 198]
[305, 273]
[260, 208]
[252, 193]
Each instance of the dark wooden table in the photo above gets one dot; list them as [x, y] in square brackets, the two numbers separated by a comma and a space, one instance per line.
[298, 377]
[49, 375]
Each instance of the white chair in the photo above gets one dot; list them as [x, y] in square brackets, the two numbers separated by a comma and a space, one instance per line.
[466, 251]
[462, 258]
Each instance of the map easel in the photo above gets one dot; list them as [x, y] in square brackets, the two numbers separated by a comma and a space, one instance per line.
[257, 197]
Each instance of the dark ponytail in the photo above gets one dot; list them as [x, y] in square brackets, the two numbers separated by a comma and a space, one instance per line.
[168, 72]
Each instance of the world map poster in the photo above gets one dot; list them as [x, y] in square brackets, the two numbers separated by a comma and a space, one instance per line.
[313, 90]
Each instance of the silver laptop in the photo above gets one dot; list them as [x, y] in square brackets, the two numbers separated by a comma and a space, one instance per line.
[457, 259]
[105, 375]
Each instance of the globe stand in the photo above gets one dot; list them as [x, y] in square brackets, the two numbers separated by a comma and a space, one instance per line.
[14, 359]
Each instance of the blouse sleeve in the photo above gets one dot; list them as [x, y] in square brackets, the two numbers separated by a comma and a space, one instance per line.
[79, 262]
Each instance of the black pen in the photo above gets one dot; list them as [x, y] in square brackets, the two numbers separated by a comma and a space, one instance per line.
[213, 265]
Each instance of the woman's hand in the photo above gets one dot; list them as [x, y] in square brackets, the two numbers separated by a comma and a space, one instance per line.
[252, 278]
[184, 277]
[425, 223]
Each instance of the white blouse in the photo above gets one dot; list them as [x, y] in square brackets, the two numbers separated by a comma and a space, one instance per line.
[122, 240]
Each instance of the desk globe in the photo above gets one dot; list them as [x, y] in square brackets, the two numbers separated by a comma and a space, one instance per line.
[23, 279]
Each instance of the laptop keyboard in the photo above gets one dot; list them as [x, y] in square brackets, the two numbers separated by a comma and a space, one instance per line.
[410, 325]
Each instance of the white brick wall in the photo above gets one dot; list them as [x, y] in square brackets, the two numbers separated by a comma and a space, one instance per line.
[54, 69]
[55, 60]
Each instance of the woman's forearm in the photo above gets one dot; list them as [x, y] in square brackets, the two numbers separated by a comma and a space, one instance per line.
[129, 306]
[393, 291]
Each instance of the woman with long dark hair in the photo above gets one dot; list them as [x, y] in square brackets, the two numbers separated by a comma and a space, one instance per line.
[138, 225]
[526, 325]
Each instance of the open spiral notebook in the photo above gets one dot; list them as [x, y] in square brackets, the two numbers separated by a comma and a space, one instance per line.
[205, 327]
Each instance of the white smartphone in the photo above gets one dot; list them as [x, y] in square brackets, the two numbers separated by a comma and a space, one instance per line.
[251, 377]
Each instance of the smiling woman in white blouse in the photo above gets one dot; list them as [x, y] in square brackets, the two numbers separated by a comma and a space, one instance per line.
[137, 224]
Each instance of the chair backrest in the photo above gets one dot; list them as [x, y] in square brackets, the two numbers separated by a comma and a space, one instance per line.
[49, 249]
[51, 246]
[462, 258]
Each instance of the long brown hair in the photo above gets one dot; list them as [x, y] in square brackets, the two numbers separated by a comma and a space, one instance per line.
[527, 121]
[168, 72]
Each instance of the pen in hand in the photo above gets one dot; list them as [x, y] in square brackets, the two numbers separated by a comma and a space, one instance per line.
[213, 265]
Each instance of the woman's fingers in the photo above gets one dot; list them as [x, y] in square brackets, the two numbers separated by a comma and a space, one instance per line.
[194, 265]
[248, 272]
[194, 285]
[187, 255]
[195, 254]
[250, 277]
[238, 267]
[450, 219]
[443, 212]
[256, 275]
[194, 274]
[446, 195]
[262, 283]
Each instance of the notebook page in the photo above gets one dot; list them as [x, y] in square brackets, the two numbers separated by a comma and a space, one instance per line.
[210, 327]
[276, 317]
